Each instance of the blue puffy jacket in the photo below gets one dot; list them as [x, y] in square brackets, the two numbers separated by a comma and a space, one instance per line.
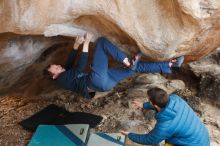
[177, 123]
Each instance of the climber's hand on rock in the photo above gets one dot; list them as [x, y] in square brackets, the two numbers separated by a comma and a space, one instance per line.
[88, 37]
[137, 104]
[79, 40]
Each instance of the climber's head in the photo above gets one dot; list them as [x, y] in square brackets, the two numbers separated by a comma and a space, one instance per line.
[54, 70]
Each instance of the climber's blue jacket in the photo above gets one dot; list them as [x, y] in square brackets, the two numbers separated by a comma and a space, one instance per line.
[74, 78]
[177, 123]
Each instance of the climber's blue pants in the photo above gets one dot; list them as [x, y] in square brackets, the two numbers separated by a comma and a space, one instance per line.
[103, 78]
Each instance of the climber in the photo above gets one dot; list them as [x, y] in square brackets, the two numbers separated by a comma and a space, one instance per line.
[101, 78]
[177, 123]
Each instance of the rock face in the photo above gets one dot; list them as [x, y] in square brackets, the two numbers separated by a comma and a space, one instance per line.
[160, 29]
[208, 69]
[143, 82]
[18, 52]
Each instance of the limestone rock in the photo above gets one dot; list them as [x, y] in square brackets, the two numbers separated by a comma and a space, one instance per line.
[208, 65]
[175, 85]
[208, 69]
[19, 52]
[149, 79]
[146, 81]
[161, 29]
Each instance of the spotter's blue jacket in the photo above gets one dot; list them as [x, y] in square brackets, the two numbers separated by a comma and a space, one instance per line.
[177, 123]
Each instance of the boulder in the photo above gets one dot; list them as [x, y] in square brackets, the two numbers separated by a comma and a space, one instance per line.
[146, 81]
[160, 29]
[208, 69]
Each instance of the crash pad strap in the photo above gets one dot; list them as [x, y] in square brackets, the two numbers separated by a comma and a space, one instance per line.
[105, 136]
[70, 135]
